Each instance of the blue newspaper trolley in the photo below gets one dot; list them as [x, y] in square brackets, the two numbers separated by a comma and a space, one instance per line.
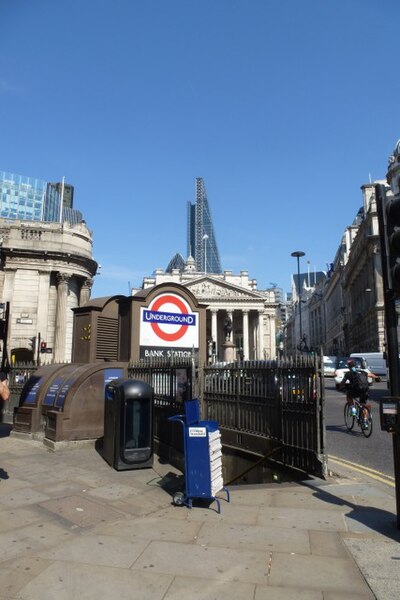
[202, 457]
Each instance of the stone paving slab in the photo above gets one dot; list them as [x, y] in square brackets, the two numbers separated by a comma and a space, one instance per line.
[103, 550]
[139, 505]
[80, 511]
[13, 518]
[210, 563]
[56, 489]
[26, 540]
[318, 573]
[279, 593]
[193, 588]
[63, 581]
[230, 513]
[353, 489]
[327, 543]
[18, 572]
[311, 500]
[153, 528]
[22, 497]
[254, 537]
[302, 518]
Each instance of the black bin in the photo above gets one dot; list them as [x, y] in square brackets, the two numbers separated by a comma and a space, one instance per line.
[128, 424]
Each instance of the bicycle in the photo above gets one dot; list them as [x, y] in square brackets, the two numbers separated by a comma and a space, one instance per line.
[355, 411]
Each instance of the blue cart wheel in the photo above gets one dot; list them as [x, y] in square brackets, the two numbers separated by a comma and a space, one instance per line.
[179, 499]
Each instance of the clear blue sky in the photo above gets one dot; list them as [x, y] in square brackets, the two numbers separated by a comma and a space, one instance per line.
[284, 107]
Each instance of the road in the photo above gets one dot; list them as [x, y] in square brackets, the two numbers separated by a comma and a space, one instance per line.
[375, 452]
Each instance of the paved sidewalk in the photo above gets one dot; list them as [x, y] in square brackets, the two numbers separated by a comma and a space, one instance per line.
[73, 527]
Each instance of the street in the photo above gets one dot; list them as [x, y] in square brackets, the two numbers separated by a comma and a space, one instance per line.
[375, 452]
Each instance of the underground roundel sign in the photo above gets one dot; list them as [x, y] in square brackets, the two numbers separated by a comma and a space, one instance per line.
[168, 322]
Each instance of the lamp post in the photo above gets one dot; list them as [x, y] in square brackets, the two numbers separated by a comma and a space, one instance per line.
[297, 255]
[205, 238]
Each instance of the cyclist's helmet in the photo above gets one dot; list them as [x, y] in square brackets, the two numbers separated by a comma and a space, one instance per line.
[351, 363]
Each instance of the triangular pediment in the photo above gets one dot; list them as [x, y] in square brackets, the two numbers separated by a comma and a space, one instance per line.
[209, 288]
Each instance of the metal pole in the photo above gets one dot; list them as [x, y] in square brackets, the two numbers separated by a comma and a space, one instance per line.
[205, 238]
[297, 255]
[392, 342]
[298, 280]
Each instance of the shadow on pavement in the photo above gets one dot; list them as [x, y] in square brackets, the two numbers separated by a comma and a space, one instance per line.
[5, 429]
[4, 474]
[377, 519]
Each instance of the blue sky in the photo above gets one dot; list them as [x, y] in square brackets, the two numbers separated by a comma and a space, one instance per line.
[284, 107]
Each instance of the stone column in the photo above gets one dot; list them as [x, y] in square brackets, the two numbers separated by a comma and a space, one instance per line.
[272, 336]
[214, 330]
[246, 355]
[61, 317]
[260, 335]
[85, 292]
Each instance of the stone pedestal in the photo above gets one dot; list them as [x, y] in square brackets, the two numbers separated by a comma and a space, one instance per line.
[229, 351]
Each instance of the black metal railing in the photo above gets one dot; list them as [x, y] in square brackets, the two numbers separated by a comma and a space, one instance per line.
[17, 374]
[281, 401]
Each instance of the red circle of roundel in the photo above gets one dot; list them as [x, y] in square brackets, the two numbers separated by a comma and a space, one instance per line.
[169, 337]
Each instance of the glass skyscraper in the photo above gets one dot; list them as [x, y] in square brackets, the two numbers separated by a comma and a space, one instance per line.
[31, 199]
[201, 242]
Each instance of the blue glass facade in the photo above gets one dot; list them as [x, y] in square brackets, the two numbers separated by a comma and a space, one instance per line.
[31, 199]
[21, 197]
[202, 245]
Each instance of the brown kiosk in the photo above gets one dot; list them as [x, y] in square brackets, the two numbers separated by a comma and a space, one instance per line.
[66, 402]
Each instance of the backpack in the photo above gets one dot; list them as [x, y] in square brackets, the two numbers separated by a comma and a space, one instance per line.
[360, 382]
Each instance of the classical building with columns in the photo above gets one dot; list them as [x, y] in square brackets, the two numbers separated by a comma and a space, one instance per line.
[46, 270]
[252, 312]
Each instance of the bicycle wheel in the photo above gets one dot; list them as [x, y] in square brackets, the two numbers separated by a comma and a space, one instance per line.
[348, 417]
[367, 430]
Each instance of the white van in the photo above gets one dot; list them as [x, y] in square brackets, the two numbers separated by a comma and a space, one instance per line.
[375, 361]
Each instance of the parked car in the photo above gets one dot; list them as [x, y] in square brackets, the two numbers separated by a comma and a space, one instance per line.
[342, 368]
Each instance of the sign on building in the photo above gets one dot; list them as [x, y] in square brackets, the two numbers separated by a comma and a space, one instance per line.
[169, 328]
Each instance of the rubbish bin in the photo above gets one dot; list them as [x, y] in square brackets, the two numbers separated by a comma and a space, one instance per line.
[128, 424]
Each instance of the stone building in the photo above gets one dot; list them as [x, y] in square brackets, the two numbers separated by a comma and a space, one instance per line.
[252, 312]
[46, 270]
[345, 313]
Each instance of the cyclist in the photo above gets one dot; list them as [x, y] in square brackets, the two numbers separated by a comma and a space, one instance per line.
[355, 381]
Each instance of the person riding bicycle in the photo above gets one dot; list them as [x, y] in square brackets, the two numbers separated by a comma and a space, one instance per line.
[355, 380]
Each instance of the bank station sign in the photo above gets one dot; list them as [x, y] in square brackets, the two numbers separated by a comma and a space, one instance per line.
[168, 328]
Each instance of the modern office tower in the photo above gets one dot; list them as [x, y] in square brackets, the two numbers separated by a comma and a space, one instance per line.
[201, 242]
[31, 199]
[67, 192]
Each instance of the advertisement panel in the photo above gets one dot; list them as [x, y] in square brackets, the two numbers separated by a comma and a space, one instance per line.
[168, 328]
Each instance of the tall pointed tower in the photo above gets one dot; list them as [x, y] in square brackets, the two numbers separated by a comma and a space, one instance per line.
[201, 242]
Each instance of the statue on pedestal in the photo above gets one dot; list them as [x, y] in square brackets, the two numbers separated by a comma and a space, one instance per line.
[227, 327]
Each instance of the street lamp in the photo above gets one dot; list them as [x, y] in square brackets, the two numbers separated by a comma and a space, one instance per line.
[297, 255]
[205, 238]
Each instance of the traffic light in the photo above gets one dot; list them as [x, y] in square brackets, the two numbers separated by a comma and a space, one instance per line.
[32, 343]
[43, 346]
[390, 236]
